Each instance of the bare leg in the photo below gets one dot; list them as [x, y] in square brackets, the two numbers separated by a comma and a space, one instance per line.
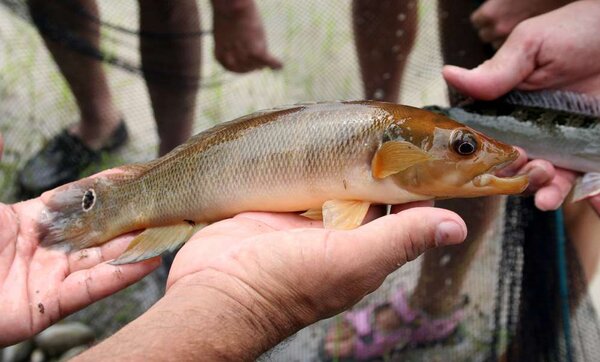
[444, 270]
[84, 74]
[171, 66]
[384, 33]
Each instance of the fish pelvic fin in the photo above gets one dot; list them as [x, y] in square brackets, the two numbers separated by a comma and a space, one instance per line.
[154, 241]
[586, 186]
[396, 156]
[313, 214]
[70, 217]
[344, 214]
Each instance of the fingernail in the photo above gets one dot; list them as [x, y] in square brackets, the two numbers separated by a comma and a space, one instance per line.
[449, 232]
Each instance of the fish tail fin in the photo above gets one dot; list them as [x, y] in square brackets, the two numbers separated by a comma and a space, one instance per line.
[587, 185]
[71, 217]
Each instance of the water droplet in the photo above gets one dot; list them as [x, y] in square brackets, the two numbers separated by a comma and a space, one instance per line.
[386, 76]
[401, 17]
[444, 260]
[448, 282]
[399, 33]
[379, 94]
[395, 49]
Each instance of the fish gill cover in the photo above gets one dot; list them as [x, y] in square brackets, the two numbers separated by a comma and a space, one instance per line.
[505, 286]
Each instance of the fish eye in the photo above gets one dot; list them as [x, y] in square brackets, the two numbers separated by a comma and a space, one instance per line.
[88, 200]
[464, 143]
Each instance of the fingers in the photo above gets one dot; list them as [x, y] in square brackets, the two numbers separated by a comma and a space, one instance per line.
[551, 196]
[540, 173]
[493, 22]
[512, 64]
[240, 60]
[393, 240]
[90, 257]
[90, 285]
[270, 61]
[595, 201]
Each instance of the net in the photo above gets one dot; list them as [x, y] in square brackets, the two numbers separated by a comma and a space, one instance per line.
[505, 283]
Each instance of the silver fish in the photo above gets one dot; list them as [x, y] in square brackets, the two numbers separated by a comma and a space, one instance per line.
[561, 127]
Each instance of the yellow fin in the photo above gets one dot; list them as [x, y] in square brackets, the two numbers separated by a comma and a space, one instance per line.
[395, 156]
[344, 214]
[313, 214]
[154, 241]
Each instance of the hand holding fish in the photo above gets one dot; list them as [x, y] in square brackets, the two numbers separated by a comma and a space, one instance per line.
[240, 42]
[551, 185]
[242, 285]
[556, 50]
[39, 286]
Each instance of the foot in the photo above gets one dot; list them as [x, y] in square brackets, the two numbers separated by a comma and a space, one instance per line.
[378, 330]
[62, 160]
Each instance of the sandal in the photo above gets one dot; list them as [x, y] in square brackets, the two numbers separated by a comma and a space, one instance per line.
[417, 328]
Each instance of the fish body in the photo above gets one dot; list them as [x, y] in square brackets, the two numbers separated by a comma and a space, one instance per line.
[332, 159]
[561, 127]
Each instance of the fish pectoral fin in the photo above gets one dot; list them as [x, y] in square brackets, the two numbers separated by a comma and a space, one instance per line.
[344, 214]
[313, 214]
[396, 156]
[586, 186]
[154, 241]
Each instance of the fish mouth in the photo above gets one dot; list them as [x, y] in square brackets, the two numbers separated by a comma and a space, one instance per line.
[506, 185]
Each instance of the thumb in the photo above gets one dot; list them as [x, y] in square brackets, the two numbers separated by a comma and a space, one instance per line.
[512, 64]
[391, 241]
[272, 62]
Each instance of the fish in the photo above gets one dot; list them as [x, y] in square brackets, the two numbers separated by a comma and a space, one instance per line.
[329, 160]
[562, 127]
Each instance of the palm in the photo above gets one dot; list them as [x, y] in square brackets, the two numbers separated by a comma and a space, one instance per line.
[40, 286]
[291, 260]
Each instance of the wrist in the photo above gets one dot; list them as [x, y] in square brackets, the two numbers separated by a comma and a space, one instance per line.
[203, 316]
[246, 324]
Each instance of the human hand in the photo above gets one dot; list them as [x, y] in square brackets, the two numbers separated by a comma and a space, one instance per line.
[550, 185]
[240, 42]
[288, 272]
[495, 19]
[556, 50]
[40, 286]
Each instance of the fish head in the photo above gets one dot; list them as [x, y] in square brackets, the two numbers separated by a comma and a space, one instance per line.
[455, 161]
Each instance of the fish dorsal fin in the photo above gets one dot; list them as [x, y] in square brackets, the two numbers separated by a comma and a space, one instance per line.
[587, 186]
[154, 241]
[313, 214]
[344, 214]
[396, 156]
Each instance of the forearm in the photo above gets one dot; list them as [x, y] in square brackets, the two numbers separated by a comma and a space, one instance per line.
[197, 321]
